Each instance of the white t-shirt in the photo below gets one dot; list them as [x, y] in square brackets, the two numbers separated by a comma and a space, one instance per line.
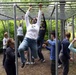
[5, 42]
[32, 30]
[19, 31]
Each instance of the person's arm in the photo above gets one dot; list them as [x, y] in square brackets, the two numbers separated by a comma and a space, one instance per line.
[39, 15]
[44, 20]
[50, 42]
[48, 48]
[45, 46]
[71, 46]
[27, 16]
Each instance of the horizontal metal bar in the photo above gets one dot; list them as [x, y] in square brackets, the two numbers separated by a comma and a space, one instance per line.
[35, 6]
[22, 10]
[6, 16]
[52, 12]
[27, 3]
[39, 1]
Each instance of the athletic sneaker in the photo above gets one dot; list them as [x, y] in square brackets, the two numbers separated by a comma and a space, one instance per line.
[59, 66]
[42, 60]
[27, 63]
[32, 63]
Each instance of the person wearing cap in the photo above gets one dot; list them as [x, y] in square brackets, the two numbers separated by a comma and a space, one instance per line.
[5, 39]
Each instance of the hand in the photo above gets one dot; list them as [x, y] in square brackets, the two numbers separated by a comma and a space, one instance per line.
[30, 8]
[44, 45]
[74, 39]
[71, 59]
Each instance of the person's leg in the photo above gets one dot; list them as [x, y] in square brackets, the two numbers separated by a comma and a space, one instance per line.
[40, 50]
[65, 67]
[38, 44]
[21, 38]
[7, 68]
[59, 63]
[18, 43]
[13, 69]
[23, 46]
[33, 47]
[4, 56]
[53, 67]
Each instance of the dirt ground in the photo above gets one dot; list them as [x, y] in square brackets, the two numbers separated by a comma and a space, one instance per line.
[39, 68]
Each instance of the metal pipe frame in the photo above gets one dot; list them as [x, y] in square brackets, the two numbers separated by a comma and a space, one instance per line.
[36, 2]
[11, 3]
[71, 16]
[52, 11]
[19, 5]
[36, 6]
[8, 28]
[22, 10]
[56, 31]
[47, 2]
[15, 36]
[73, 33]
[6, 16]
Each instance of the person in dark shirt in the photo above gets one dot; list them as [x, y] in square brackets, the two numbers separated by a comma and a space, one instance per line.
[9, 64]
[40, 39]
[65, 53]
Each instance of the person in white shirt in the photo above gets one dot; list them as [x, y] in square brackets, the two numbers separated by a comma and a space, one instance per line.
[5, 39]
[20, 34]
[30, 39]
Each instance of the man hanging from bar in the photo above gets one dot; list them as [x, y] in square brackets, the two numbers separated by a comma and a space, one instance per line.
[31, 36]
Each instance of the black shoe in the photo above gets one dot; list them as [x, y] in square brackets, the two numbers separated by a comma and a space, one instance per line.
[23, 64]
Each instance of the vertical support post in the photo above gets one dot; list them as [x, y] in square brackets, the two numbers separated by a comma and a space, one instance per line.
[15, 35]
[48, 29]
[50, 25]
[56, 31]
[8, 29]
[73, 32]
